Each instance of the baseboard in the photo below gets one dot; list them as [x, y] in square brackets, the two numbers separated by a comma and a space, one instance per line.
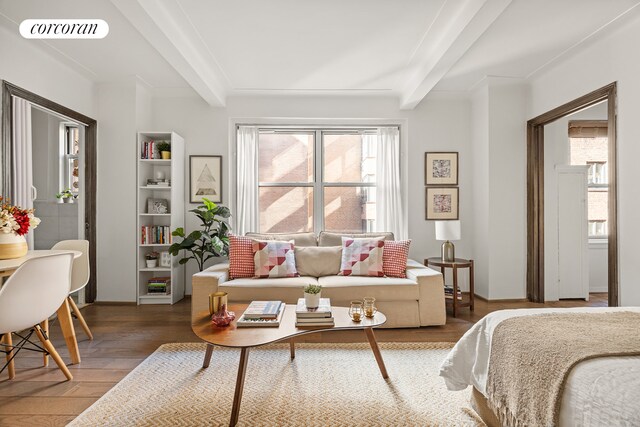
[599, 290]
[501, 300]
[114, 303]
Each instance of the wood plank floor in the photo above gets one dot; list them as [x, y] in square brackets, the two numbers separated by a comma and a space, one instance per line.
[126, 334]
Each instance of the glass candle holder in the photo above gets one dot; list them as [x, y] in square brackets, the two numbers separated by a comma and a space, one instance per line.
[356, 311]
[369, 307]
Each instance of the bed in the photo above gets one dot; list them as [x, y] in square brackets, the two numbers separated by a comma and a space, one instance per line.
[600, 391]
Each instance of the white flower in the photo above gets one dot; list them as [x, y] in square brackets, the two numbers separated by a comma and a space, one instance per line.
[34, 221]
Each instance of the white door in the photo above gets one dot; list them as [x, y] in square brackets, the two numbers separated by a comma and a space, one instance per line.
[573, 239]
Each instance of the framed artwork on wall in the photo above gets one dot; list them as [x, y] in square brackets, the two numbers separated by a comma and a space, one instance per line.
[441, 168]
[205, 178]
[442, 203]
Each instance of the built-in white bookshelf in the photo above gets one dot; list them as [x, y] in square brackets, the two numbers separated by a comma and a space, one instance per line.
[159, 225]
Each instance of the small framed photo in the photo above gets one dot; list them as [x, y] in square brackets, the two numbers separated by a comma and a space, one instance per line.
[157, 206]
[165, 259]
[205, 178]
[442, 203]
[441, 168]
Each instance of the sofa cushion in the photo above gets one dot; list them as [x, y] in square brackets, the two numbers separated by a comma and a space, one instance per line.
[286, 289]
[362, 257]
[240, 257]
[394, 258]
[274, 258]
[346, 288]
[327, 238]
[299, 239]
[318, 261]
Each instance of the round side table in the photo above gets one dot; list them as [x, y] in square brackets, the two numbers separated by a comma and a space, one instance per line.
[455, 265]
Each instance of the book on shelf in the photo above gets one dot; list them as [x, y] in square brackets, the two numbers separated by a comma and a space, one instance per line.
[244, 322]
[155, 235]
[323, 309]
[448, 293]
[262, 310]
[159, 285]
[150, 151]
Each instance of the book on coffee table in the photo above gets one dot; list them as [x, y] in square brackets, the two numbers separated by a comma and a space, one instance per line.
[263, 310]
[323, 309]
[244, 322]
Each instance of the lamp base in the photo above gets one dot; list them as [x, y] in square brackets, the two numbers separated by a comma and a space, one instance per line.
[448, 252]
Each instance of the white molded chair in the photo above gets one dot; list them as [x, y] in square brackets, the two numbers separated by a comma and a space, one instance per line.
[33, 293]
[79, 275]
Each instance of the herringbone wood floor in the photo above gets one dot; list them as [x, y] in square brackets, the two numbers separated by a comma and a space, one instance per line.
[126, 334]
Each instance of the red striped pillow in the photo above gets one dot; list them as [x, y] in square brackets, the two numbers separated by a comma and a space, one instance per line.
[394, 258]
[240, 257]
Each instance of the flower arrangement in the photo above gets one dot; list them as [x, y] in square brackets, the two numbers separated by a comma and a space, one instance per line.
[151, 255]
[14, 219]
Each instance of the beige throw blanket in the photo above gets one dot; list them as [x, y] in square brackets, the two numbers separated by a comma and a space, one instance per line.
[531, 357]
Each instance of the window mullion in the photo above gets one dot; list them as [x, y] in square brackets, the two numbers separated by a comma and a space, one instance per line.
[318, 190]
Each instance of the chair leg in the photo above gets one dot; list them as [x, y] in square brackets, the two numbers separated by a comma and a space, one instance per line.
[11, 369]
[45, 327]
[83, 323]
[52, 351]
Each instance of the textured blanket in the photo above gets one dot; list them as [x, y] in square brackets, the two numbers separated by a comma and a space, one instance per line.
[531, 357]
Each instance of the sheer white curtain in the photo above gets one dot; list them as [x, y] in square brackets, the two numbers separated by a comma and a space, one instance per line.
[22, 187]
[246, 214]
[389, 208]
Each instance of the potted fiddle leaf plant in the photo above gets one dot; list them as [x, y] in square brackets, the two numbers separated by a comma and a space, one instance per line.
[211, 240]
[164, 148]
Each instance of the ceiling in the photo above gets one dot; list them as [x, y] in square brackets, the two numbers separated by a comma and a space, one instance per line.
[220, 48]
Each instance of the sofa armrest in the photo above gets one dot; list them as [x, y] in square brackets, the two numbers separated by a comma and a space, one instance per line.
[204, 283]
[431, 291]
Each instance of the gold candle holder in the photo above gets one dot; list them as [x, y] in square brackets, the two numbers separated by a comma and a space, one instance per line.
[355, 311]
[216, 301]
[369, 306]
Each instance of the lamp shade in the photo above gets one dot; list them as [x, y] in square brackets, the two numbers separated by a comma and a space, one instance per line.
[447, 230]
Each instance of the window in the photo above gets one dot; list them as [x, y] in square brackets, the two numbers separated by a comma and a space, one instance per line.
[597, 228]
[597, 173]
[317, 179]
[70, 170]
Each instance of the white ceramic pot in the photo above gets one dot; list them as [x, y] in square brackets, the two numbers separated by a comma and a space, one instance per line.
[312, 300]
[12, 246]
[152, 263]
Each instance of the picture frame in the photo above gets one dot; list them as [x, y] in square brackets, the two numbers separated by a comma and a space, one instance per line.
[442, 203]
[157, 206]
[165, 259]
[205, 178]
[441, 168]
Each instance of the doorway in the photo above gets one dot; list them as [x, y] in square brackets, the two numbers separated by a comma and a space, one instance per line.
[537, 199]
[69, 164]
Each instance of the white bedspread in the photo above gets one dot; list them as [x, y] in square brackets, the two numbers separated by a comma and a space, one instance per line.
[603, 391]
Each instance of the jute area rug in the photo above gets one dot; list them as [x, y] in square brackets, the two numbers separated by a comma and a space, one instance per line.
[325, 385]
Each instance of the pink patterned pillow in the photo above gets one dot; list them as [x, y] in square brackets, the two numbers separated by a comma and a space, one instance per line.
[240, 257]
[274, 258]
[394, 258]
[361, 257]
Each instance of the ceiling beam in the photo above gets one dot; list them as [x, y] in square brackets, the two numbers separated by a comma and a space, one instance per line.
[458, 26]
[166, 27]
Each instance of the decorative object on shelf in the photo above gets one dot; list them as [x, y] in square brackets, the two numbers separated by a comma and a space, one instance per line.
[160, 175]
[312, 295]
[441, 168]
[447, 231]
[66, 196]
[205, 178]
[152, 259]
[209, 242]
[15, 222]
[356, 312]
[441, 203]
[157, 206]
[218, 303]
[369, 307]
[165, 259]
[165, 149]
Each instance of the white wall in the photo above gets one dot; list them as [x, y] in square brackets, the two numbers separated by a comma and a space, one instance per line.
[598, 63]
[437, 124]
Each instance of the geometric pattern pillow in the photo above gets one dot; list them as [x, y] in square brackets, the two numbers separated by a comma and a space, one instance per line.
[240, 257]
[274, 258]
[394, 258]
[362, 257]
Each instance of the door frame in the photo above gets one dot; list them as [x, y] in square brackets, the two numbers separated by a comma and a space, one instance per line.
[90, 164]
[535, 190]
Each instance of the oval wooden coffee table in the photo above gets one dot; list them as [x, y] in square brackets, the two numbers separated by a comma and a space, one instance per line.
[246, 338]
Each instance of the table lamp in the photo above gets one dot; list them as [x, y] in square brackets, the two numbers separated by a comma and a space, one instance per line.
[447, 231]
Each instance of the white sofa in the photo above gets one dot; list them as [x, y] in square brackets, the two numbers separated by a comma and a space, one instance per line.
[415, 301]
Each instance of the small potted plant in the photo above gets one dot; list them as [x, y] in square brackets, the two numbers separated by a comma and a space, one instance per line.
[66, 196]
[165, 150]
[152, 259]
[312, 296]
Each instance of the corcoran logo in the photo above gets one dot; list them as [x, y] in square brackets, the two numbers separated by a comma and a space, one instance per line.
[64, 29]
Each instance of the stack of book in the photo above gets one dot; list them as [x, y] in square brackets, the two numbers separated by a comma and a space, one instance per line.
[262, 314]
[448, 293]
[320, 316]
[151, 182]
[159, 286]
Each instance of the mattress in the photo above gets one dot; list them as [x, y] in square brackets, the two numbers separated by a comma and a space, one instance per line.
[602, 391]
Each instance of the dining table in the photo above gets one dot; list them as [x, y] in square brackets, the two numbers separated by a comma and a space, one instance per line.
[9, 266]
